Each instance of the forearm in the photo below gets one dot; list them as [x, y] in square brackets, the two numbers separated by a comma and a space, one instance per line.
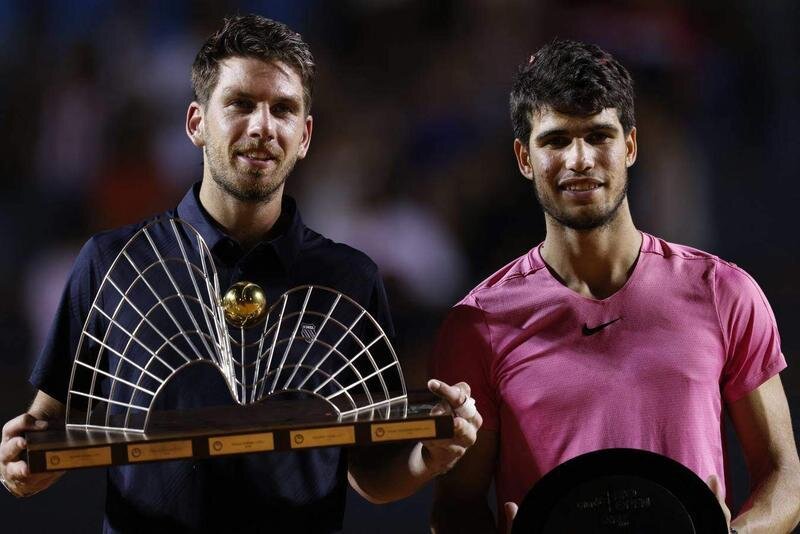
[388, 473]
[774, 504]
[47, 408]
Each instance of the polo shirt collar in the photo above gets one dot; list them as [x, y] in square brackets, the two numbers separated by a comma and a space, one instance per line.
[286, 245]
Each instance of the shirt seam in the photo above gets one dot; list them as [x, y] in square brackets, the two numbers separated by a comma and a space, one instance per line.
[485, 323]
[709, 257]
[504, 281]
[723, 334]
[491, 368]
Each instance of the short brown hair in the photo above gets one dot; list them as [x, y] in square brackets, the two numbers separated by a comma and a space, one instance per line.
[573, 78]
[257, 37]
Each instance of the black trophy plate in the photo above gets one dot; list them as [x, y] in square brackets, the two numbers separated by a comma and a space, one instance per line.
[620, 491]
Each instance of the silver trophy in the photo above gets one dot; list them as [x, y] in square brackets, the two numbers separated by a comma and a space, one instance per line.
[159, 310]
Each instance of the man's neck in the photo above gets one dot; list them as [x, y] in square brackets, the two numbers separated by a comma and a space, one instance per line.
[593, 263]
[247, 222]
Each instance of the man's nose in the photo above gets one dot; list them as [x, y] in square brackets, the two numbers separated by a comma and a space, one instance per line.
[262, 124]
[580, 156]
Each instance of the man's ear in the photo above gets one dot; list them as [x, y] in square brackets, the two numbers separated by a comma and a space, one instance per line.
[523, 159]
[194, 124]
[632, 147]
[306, 141]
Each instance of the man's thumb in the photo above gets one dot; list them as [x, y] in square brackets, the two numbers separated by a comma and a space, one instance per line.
[511, 512]
[713, 483]
[716, 487]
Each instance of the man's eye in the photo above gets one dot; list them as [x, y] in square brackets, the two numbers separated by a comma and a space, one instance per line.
[281, 109]
[596, 138]
[557, 142]
[242, 104]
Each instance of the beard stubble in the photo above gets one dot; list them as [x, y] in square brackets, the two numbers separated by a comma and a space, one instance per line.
[252, 189]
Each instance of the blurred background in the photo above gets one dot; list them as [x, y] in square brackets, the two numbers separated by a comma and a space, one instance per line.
[411, 158]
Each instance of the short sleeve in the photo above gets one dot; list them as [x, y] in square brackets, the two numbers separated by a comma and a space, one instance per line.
[463, 353]
[753, 351]
[53, 368]
[379, 306]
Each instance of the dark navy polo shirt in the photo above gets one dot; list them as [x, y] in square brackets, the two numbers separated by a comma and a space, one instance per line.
[268, 492]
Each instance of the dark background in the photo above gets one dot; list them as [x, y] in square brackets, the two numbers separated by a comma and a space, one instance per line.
[411, 158]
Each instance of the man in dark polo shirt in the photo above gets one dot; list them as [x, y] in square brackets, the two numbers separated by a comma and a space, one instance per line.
[253, 82]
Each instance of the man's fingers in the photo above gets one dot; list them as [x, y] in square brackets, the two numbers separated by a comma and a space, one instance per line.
[17, 426]
[440, 409]
[13, 468]
[16, 471]
[464, 436]
[477, 421]
[11, 449]
[456, 399]
[20, 424]
[467, 410]
[455, 395]
[464, 433]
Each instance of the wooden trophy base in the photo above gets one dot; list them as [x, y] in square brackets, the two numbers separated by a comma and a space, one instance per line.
[271, 425]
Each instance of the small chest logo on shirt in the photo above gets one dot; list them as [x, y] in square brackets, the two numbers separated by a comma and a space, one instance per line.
[308, 331]
[591, 330]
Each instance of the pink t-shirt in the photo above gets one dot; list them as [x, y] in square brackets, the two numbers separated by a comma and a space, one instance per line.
[558, 374]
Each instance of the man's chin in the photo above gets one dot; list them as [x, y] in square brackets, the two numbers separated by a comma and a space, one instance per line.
[249, 189]
[256, 195]
[584, 222]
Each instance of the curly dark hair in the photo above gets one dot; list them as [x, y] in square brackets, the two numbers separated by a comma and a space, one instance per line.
[257, 37]
[572, 78]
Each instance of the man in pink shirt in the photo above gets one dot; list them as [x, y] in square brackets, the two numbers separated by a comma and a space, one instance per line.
[603, 336]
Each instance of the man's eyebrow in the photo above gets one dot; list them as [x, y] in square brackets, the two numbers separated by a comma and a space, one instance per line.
[238, 93]
[602, 126]
[561, 131]
[550, 133]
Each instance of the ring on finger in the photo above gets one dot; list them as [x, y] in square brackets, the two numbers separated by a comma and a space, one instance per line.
[467, 410]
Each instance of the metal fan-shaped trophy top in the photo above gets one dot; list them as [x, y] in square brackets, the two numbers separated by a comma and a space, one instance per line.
[159, 309]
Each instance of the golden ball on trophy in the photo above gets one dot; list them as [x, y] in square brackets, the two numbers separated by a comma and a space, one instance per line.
[244, 304]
